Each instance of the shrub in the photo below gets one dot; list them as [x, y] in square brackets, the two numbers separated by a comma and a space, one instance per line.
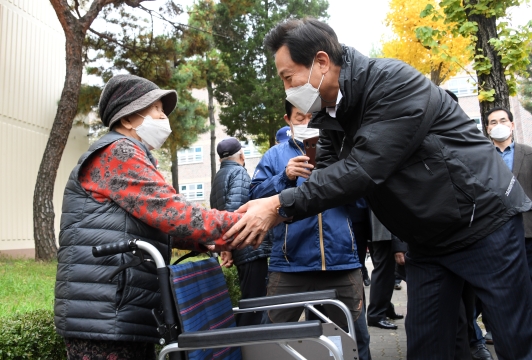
[31, 336]
[233, 284]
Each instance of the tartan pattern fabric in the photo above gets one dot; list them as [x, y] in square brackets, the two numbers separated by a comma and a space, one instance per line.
[203, 303]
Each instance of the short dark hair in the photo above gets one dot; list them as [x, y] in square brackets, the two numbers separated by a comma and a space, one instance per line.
[304, 38]
[508, 112]
[288, 107]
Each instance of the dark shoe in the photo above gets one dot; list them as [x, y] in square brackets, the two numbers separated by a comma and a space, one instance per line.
[488, 338]
[397, 286]
[480, 352]
[367, 281]
[383, 324]
[395, 316]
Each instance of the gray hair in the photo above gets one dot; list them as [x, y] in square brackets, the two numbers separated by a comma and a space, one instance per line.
[234, 157]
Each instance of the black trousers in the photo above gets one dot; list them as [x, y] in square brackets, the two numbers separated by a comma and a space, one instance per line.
[253, 277]
[496, 267]
[382, 281]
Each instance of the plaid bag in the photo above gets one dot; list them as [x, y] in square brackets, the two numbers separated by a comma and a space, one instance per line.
[203, 303]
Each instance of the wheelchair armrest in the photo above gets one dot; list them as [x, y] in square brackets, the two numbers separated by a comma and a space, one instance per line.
[288, 298]
[250, 334]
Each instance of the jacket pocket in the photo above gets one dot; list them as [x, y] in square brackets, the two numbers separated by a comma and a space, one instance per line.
[418, 202]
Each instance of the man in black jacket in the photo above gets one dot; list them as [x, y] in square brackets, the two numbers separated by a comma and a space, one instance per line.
[230, 189]
[389, 134]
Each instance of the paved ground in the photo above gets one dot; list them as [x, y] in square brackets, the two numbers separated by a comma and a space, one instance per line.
[386, 344]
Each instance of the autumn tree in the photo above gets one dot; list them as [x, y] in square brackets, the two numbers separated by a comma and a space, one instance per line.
[253, 96]
[442, 58]
[499, 52]
[76, 18]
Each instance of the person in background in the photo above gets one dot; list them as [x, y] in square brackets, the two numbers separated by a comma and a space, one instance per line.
[283, 134]
[518, 157]
[382, 278]
[115, 193]
[230, 190]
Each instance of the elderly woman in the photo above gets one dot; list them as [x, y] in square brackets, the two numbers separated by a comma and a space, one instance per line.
[115, 193]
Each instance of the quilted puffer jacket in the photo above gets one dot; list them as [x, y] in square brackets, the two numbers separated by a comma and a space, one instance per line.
[87, 305]
[230, 190]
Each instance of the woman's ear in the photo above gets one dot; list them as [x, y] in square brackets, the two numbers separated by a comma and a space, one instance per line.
[126, 123]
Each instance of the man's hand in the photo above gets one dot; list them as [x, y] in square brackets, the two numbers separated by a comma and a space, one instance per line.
[227, 259]
[298, 166]
[400, 258]
[260, 216]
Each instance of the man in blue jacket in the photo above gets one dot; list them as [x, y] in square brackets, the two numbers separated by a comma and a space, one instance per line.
[317, 253]
[230, 190]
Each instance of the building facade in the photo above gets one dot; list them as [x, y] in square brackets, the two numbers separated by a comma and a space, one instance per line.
[32, 73]
[195, 162]
[464, 87]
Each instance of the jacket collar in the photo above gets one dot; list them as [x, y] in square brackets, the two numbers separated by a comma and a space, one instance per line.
[227, 163]
[352, 80]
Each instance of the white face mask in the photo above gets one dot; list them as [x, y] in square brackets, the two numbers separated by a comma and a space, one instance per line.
[302, 132]
[153, 133]
[500, 132]
[305, 97]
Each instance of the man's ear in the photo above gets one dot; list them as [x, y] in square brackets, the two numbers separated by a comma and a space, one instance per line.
[322, 58]
[287, 120]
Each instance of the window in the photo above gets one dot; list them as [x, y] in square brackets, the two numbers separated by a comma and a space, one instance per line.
[192, 191]
[190, 156]
[463, 86]
[477, 120]
[250, 150]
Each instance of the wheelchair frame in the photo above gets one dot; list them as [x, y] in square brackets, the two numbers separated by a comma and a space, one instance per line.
[255, 341]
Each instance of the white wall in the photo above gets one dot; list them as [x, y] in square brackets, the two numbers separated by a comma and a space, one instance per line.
[32, 71]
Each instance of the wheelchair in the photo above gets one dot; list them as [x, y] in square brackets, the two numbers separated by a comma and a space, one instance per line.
[196, 319]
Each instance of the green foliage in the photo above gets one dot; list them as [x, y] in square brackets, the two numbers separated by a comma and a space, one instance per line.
[31, 336]
[509, 45]
[253, 97]
[525, 85]
[233, 284]
[25, 285]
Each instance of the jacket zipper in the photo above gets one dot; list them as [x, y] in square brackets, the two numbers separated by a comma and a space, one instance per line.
[352, 236]
[322, 249]
[285, 250]
[427, 167]
[462, 191]
[468, 198]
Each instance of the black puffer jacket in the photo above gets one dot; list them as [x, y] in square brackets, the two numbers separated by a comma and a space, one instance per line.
[429, 175]
[230, 190]
[87, 306]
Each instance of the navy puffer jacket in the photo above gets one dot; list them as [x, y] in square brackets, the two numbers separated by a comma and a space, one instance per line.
[230, 190]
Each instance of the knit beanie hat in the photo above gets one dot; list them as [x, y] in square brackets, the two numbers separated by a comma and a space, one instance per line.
[127, 94]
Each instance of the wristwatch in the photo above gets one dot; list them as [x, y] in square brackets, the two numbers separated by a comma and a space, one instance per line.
[281, 212]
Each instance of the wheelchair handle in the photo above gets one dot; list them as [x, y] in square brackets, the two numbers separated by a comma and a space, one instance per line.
[114, 248]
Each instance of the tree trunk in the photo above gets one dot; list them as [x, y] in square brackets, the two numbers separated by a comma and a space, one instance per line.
[174, 168]
[487, 29]
[213, 129]
[43, 208]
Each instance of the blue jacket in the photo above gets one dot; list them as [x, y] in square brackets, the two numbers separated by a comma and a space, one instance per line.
[321, 242]
[230, 190]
